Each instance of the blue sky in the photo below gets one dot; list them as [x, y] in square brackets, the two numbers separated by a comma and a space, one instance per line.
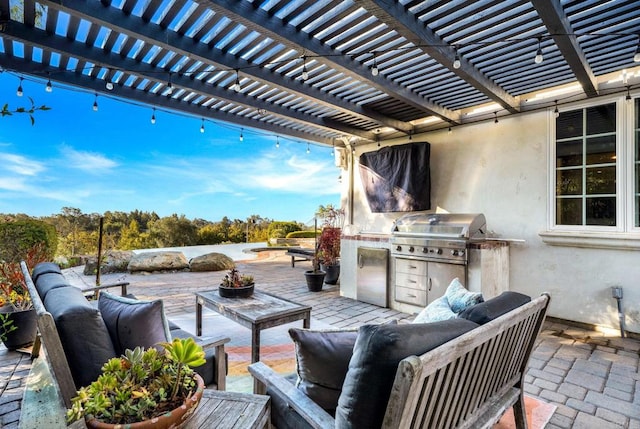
[116, 160]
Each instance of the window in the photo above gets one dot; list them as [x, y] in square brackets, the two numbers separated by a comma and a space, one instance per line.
[586, 167]
[595, 176]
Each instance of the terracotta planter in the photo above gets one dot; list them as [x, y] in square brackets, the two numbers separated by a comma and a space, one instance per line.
[314, 280]
[333, 273]
[236, 292]
[27, 323]
[172, 419]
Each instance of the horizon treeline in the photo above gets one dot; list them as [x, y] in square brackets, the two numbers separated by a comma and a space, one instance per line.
[78, 232]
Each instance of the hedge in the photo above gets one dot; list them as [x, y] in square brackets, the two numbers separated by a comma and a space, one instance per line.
[17, 237]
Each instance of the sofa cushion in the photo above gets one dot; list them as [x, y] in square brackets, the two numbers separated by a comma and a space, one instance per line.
[435, 312]
[82, 331]
[48, 281]
[460, 298]
[322, 362]
[376, 355]
[44, 268]
[132, 323]
[495, 307]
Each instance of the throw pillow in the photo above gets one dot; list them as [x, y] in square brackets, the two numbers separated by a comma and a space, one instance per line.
[495, 307]
[460, 298]
[322, 362]
[132, 323]
[438, 310]
[372, 369]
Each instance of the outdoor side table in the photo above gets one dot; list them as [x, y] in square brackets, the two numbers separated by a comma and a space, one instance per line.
[231, 410]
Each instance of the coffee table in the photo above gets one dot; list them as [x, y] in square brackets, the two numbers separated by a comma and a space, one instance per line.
[260, 311]
[231, 410]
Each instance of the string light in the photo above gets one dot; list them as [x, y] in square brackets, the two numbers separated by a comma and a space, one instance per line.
[48, 88]
[333, 149]
[636, 57]
[628, 97]
[241, 136]
[277, 142]
[19, 90]
[495, 114]
[456, 60]
[153, 116]
[202, 126]
[410, 135]
[95, 104]
[169, 86]
[305, 73]
[236, 85]
[374, 68]
[449, 131]
[308, 149]
[555, 111]
[539, 58]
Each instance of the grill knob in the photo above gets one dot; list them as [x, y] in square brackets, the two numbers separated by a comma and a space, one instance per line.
[454, 252]
[461, 252]
[425, 250]
[411, 249]
[398, 248]
[439, 251]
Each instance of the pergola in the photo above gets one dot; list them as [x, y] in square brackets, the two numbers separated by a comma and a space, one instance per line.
[332, 72]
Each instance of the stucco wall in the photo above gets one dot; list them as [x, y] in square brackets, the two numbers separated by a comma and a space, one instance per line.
[501, 170]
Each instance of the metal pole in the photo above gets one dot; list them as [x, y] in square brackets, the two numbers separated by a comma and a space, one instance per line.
[99, 252]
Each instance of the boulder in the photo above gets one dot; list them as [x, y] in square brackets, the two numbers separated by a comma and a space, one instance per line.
[211, 262]
[158, 261]
[114, 261]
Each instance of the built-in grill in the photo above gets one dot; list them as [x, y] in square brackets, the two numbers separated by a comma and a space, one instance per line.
[438, 236]
[430, 250]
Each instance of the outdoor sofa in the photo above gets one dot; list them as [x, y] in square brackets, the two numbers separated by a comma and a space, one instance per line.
[459, 373]
[80, 336]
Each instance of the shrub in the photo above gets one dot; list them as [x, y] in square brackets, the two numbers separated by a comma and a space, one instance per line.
[17, 237]
[302, 234]
[280, 229]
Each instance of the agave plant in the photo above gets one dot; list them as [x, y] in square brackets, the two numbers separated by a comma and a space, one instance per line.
[141, 384]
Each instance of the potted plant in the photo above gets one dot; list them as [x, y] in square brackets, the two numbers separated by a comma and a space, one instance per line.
[329, 243]
[18, 323]
[143, 388]
[315, 277]
[236, 285]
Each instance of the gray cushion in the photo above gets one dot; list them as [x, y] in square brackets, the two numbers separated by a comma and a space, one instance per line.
[82, 331]
[132, 323]
[376, 355]
[322, 362]
[48, 281]
[435, 312]
[43, 268]
[495, 307]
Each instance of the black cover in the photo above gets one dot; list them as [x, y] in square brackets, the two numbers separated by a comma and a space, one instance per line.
[397, 178]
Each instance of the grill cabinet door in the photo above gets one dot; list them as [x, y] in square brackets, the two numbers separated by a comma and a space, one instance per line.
[440, 276]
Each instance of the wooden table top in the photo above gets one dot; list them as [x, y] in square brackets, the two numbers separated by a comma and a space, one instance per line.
[230, 410]
[260, 306]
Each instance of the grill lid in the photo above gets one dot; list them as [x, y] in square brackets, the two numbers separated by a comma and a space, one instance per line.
[458, 225]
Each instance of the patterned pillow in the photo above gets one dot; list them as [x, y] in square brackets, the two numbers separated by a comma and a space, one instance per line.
[460, 298]
[436, 311]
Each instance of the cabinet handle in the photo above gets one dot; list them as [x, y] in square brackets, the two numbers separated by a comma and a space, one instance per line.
[411, 296]
[413, 267]
[430, 284]
[360, 261]
[412, 281]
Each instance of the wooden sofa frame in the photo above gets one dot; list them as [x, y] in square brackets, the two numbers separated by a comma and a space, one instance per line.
[468, 382]
[59, 366]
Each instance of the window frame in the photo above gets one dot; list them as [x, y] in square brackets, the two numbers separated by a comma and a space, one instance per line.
[625, 235]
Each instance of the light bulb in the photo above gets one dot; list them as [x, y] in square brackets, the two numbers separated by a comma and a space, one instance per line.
[308, 149]
[202, 126]
[153, 117]
[496, 115]
[241, 137]
[48, 88]
[95, 106]
[277, 142]
[305, 74]
[374, 70]
[170, 88]
[456, 62]
[555, 111]
[109, 85]
[636, 57]
[449, 131]
[19, 90]
[539, 58]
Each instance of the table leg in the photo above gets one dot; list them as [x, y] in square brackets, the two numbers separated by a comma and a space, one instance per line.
[255, 344]
[306, 322]
[198, 317]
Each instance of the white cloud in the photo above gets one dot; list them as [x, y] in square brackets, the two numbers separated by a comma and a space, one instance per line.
[20, 165]
[86, 161]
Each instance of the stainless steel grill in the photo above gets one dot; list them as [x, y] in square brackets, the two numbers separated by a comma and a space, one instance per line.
[442, 237]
